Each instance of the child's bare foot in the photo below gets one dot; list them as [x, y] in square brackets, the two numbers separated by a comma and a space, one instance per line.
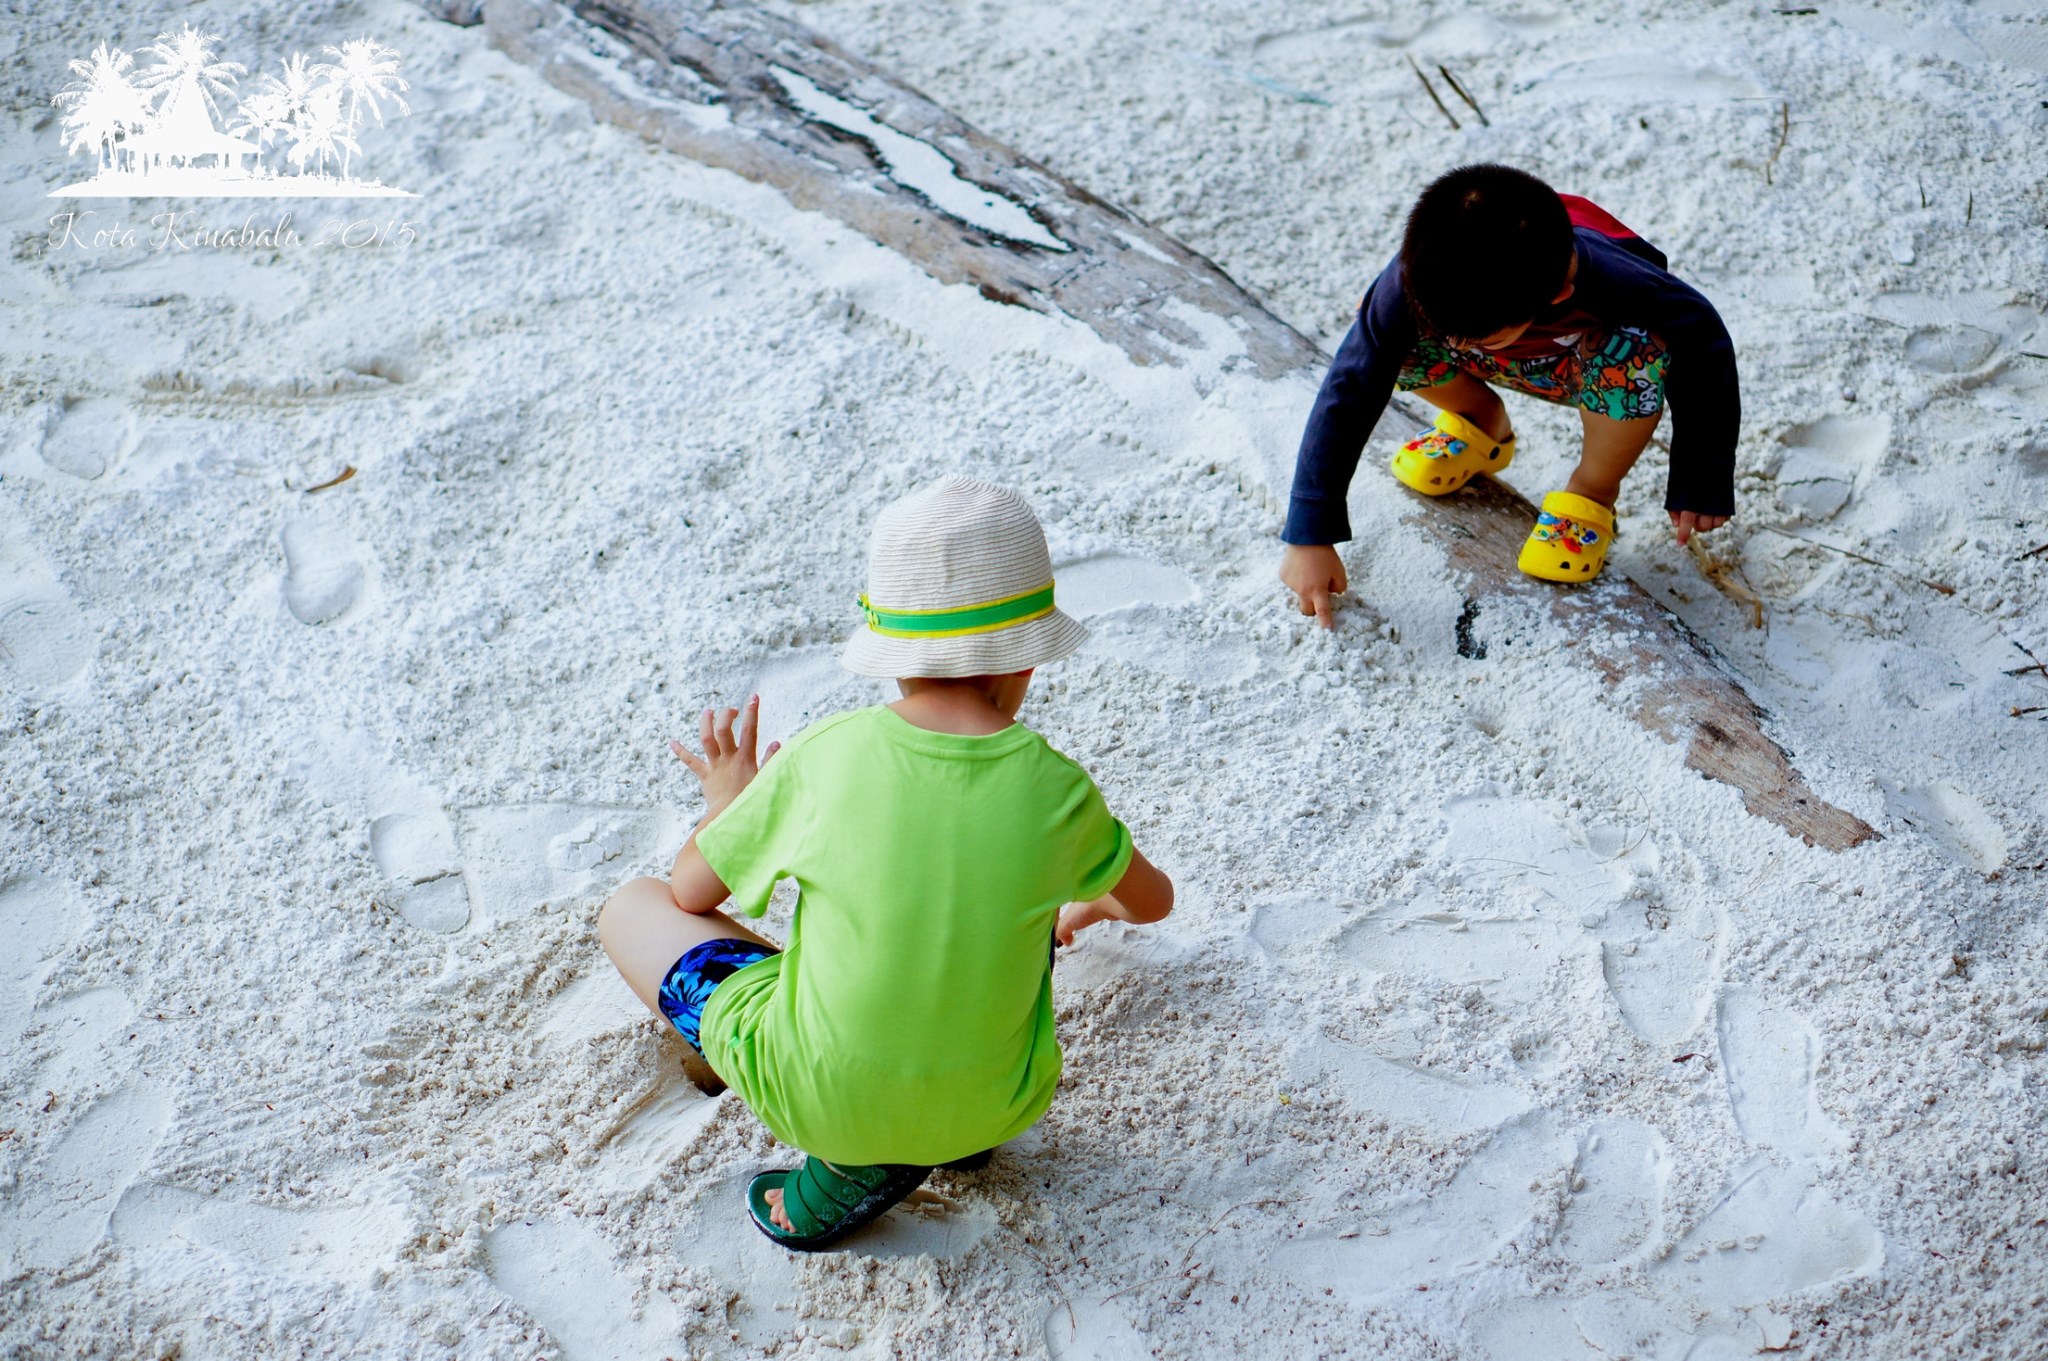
[775, 1212]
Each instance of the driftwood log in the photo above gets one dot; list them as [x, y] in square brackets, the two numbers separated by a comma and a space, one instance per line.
[750, 92]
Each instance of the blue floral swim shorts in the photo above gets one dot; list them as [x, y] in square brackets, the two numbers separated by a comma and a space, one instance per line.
[1618, 373]
[697, 974]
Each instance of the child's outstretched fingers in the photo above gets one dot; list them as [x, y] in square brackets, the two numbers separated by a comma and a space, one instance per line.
[727, 765]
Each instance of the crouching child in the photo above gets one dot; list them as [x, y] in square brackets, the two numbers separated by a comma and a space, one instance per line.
[939, 848]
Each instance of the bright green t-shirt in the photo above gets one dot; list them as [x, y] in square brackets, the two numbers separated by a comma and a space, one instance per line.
[910, 1018]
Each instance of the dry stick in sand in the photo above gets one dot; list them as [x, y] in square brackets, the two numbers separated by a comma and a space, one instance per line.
[1470, 102]
[1931, 585]
[344, 475]
[2032, 553]
[1784, 135]
[1721, 576]
[1434, 98]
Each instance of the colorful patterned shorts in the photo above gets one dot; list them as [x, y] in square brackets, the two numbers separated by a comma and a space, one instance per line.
[1618, 374]
[701, 969]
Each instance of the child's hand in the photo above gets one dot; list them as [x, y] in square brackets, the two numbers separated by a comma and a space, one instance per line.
[1077, 917]
[728, 764]
[1314, 573]
[1688, 524]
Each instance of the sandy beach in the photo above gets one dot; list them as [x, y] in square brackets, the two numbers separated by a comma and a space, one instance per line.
[358, 558]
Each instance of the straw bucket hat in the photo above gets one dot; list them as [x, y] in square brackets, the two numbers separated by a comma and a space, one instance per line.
[959, 584]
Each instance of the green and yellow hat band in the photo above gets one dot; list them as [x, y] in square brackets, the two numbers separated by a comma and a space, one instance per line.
[962, 620]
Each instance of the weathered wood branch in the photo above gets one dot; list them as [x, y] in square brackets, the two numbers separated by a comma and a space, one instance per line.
[750, 92]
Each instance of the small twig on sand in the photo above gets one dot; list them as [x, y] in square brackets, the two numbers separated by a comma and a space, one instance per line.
[1930, 584]
[1459, 90]
[2018, 712]
[1970, 208]
[2037, 663]
[1723, 578]
[1784, 135]
[2032, 553]
[1100, 1206]
[1181, 1273]
[1434, 98]
[1242, 1204]
[344, 475]
[1922, 184]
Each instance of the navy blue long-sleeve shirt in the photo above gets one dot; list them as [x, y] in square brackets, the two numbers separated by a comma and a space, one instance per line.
[1621, 281]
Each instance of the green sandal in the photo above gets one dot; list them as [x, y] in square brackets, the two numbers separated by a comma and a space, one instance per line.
[825, 1201]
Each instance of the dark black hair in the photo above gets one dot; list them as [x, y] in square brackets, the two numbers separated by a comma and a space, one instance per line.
[1487, 247]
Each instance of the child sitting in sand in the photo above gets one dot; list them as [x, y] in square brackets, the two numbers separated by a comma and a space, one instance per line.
[1502, 282]
[940, 848]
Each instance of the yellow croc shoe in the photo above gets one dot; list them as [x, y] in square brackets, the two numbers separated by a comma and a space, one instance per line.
[1441, 460]
[1569, 542]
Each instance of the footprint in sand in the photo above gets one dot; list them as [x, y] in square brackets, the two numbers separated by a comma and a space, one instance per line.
[1427, 1237]
[1962, 827]
[761, 1281]
[1109, 582]
[1816, 465]
[1290, 926]
[1616, 1204]
[758, 1279]
[44, 640]
[412, 838]
[1553, 1328]
[1507, 950]
[1129, 601]
[1955, 334]
[1387, 1074]
[1511, 858]
[1088, 1331]
[84, 435]
[323, 579]
[597, 1004]
[180, 1235]
[1769, 1055]
[654, 1134]
[1519, 850]
[1771, 1234]
[942, 1230]
[38, 917]
[1658, 963]
[74, 1032]
[1402, 1088]
[417, 852]
[61, 1209]
[563, 1274]
[522, 857]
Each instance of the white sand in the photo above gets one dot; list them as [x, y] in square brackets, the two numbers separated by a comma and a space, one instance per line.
[1484, 1029]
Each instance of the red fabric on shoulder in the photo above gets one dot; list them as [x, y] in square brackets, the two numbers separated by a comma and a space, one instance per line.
[1585, 213]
